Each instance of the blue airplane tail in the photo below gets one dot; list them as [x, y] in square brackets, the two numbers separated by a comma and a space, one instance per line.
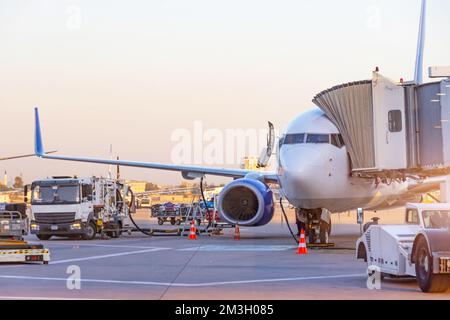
[38, 145]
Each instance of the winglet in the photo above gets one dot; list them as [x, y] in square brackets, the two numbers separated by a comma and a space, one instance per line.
[38, 146]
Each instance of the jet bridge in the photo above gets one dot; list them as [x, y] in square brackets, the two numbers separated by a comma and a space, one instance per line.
[392, 130]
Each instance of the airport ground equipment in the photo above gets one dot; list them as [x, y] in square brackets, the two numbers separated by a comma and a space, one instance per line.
[392, 129]
[419, 248]
[13, 221]
[79, 207]
[302, 249]
[23, 252]
[174, 213]
[144, 203]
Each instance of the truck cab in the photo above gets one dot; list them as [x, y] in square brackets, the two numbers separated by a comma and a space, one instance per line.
[418, 248]
[428, 216]
[78, 207]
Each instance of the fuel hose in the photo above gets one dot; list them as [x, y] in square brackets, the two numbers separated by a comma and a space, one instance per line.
[287, 221]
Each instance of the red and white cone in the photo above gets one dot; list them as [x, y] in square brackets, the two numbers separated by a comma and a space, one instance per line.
[237, 233]
[193, 231]
[302, 249]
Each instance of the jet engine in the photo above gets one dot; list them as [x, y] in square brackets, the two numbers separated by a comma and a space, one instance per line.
[246, 202]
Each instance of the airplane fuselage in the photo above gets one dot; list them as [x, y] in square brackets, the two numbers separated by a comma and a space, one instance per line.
[314, 170]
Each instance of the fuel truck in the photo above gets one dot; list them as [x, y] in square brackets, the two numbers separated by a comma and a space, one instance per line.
[79, 208]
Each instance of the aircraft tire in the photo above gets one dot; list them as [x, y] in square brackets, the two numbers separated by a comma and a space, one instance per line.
[324, 232]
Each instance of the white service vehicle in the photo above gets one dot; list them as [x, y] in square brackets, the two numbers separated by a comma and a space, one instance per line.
[419, 248]
[78, 207]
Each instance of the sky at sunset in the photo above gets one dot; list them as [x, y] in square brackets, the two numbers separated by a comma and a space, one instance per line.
[130, 73]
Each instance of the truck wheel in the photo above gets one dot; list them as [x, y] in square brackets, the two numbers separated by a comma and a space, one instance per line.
[43, 237]
[91, 230]
[160, 222]
[428, 282]
[172, 222]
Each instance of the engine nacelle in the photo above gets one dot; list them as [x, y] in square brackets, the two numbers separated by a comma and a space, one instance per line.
[246, 202]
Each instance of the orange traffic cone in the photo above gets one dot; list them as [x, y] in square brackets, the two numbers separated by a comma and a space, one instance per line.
[193, 231]
[237, 233]
[302, 244]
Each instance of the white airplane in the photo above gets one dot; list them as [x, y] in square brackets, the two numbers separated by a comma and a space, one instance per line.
[313, 172]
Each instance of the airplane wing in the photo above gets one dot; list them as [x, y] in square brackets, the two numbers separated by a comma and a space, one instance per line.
[23, 156]
[188, 172]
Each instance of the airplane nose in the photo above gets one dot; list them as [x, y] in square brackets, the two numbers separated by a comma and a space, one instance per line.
[302, 168]
[301, 161]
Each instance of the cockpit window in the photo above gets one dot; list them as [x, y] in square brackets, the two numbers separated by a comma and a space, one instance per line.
[337, 141]
[294, 138]
[318, 138]
[298, 138]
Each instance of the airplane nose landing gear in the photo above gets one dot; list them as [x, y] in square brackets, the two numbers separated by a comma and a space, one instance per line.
[318, 226]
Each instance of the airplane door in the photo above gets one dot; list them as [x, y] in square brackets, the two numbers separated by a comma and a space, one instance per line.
[389, 123]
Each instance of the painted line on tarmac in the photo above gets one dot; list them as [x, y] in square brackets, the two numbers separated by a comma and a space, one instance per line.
[205, 284]
[239, 248]
[102, 245]
[108, 255]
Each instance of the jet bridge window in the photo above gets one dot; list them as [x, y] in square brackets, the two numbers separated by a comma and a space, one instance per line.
[395, 121]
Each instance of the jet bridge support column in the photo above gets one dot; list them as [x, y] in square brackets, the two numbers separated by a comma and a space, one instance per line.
[445, 190]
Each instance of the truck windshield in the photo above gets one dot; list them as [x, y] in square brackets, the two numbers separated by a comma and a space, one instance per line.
[436, 219]
[55, 194]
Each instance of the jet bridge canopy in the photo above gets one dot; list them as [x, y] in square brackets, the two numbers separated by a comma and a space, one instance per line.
[391, 127]
[350, 108]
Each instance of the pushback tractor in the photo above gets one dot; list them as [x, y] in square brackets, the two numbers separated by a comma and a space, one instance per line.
[419, 248]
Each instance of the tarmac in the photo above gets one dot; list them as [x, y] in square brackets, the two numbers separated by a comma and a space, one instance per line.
[262, 265]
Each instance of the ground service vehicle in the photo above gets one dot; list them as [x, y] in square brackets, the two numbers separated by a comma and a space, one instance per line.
[175, 213]
[419, 248]
[13, 221]
[145, 203]
[78, 207]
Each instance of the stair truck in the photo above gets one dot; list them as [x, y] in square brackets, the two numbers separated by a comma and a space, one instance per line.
[79, 208]
[418, 248]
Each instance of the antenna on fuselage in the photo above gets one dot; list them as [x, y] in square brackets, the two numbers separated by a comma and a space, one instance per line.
[418, 75]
